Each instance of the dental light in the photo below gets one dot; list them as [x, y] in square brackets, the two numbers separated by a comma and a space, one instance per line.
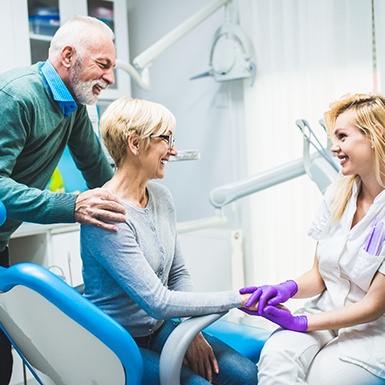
[139, 71]
[230, 57]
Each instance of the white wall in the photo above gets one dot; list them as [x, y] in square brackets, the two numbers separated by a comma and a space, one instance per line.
[207, 113]
[203, 123]
[308, 53]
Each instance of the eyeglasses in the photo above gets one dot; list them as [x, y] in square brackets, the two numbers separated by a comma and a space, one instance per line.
[169, 138]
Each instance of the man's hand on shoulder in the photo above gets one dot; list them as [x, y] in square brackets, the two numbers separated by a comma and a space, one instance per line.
[99, 207]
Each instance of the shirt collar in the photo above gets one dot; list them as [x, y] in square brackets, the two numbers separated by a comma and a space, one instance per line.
[59, 90]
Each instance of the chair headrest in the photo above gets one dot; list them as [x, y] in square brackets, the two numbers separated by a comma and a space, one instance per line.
[3, 213]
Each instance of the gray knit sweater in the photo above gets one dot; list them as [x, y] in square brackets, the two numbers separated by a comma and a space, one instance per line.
[138, 274]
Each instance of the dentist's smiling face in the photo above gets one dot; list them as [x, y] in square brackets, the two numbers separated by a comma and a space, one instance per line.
[352, 146]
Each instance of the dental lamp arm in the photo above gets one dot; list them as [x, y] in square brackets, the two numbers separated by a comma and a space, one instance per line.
[146, 58]
[142, 80]
[218, 220]
[139, 72]
[226, 194]
[321, 173]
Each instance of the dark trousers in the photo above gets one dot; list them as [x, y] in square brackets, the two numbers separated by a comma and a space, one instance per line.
[6, 360]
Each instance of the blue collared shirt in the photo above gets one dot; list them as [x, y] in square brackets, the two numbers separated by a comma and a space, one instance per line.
[59, 90]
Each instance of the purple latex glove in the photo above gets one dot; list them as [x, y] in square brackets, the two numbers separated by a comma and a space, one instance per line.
[269, 294]
[285, 319]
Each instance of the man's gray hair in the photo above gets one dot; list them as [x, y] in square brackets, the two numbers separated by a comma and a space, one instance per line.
[77, 32]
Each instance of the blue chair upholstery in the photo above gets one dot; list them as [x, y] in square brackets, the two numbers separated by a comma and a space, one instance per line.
[62, 337]
[65, 339]
[245, 339]
[3, 213]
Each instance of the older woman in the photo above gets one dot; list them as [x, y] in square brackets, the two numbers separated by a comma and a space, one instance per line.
[138, 274]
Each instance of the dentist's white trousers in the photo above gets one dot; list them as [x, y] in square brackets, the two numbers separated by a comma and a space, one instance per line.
[290, 358]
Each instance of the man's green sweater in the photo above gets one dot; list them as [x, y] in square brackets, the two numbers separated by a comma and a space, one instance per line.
[33, 136]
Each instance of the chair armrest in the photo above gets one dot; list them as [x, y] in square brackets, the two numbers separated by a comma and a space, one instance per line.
[176, 346]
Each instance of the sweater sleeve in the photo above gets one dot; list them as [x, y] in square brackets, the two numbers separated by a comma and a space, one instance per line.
[120, 255]
[179, 278]
[25, 202]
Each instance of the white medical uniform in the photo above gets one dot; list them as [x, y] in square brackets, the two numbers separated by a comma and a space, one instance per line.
[347, 270]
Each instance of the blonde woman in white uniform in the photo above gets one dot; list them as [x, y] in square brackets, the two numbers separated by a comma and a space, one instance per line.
[338, 337]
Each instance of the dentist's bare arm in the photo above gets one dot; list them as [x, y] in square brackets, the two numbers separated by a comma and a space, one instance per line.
[368, 309]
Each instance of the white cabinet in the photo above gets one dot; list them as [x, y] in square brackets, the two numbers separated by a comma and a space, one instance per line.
[14, 32]
[65, 258]
[27, 27]
[56, 247]
[19, 371]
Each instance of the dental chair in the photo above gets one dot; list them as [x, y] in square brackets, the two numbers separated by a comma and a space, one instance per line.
[64, 339]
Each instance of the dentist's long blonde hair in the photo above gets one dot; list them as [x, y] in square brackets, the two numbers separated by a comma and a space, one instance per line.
[369, 111]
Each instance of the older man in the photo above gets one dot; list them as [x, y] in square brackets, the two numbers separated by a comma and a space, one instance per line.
[42, 111]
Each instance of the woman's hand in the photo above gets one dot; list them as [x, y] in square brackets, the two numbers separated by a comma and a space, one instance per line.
[283, 317]
[253, 310]
[269, 294]
[201, 359]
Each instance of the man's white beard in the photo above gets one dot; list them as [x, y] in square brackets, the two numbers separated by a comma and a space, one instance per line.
[84, 90]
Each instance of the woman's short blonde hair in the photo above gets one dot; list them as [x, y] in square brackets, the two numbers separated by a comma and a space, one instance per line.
[127, 116]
